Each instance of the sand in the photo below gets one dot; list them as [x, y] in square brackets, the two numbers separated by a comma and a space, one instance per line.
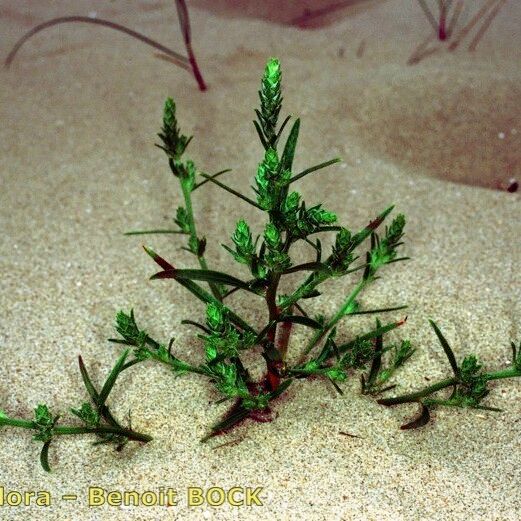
[80, 108]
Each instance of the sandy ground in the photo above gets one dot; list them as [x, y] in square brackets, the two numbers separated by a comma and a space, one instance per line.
[80, 109]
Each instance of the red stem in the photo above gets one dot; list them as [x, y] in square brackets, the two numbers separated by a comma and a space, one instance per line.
[195, 68]
[442, 26]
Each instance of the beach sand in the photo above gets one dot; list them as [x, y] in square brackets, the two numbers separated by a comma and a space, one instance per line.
[80, 109]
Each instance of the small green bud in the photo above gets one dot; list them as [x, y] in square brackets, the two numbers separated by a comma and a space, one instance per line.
[126, 326]
[292, 202]
[343, 240]
[174, 144]
[319, 216]
[259, 401]
[215, 317]
[266, 171]
[242, 236]
[181, 219]
[87, 414]
[272, 237]
[336, 374]
[169, 118]
[469, 367]
[271, 162]
[244, 247]
[395, 231]
[211, 352]
[272, 74]
[42, 416]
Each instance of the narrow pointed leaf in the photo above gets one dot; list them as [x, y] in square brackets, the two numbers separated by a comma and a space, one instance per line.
[261, 135]
[420, 420]
[196, 324]
[400, 259]
[263, 333]
[366, 232]
[87, 381]
[291, 145]
[281, 129]
[312, 294]
[213, 176]
[307, 266]
[148, 232]
[297, 319]
[44, 456]
[377, 360]
[205, 276]
[111, 380]
[321, 229]
[382, 310]
[158, 259]
[208, 298]
[232, 191]
[235, 415]
[312, 169]
[336, 386]
[487, 408]
[446, 348]
[281, 388]
[372, 334]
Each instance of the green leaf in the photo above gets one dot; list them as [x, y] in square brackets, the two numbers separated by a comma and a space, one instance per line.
[260, 133]
[87, 381]
[44, 456]
[234, 416]
[291, 145]
[308, 266]
[93, 393]
[420, 420]
[297, 319]
[182, 219]
[213, 176]
[231, 191]
[373, 225]
[87, 414]
[381, 310]
[377, 360]
[205, 276]
[304, 173]
[111, 380]
[372, 334]
[446, 348]
[281, 129]
[280, 389]
[158, 260]
[149, 232]
[272, 237]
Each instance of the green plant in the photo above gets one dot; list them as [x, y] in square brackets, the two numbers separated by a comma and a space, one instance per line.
[96, 418]
[267, 256]
[226, 335]
[469, 384]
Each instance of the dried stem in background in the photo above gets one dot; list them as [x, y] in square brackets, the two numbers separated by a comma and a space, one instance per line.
[445, 26]
[189, 63]
[486, 24]
[490, 4]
